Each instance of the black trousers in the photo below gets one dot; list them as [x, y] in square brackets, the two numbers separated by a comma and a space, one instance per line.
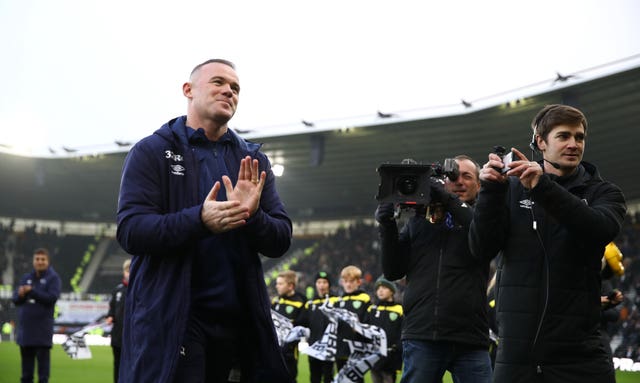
[320, 371]
[116, 362]
[210, 353]
[290, 355]
[29, 355]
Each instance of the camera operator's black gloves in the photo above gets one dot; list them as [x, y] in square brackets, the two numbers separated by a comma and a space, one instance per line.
[461, 212]
[384, 214]
[438, 194]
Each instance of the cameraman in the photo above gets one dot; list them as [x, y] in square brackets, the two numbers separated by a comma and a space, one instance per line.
[445, 325]
[551, 221]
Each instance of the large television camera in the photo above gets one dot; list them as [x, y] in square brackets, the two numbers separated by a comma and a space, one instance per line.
[409, 183]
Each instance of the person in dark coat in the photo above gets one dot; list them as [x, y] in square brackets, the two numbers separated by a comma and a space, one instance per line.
[551, 221]
[115, 317]
[387, 314]
[320, 371]
[197, 206]
[36, 297]
[445, 324]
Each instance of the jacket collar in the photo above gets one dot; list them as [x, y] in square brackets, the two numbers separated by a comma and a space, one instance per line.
[174, 131]
[584, 174]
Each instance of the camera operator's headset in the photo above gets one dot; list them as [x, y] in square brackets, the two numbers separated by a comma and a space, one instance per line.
[534, 125]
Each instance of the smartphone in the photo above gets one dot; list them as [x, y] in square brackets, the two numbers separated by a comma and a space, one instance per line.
[506, 160]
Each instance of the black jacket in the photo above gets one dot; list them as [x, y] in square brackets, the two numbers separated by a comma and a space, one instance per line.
[357, 302]
[548, 285]
[445, 298]
[291, 307]
[315, 319]
[388, 316]
[116, 311]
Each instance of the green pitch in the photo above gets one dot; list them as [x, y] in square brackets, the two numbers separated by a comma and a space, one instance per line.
[99, 369]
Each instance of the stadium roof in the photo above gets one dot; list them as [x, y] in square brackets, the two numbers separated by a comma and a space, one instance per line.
[331, 174]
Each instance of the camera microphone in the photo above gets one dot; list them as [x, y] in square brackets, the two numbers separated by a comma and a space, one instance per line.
[554, 164]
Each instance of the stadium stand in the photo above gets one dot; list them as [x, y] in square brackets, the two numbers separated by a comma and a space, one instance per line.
[355, 244]
[109, 273]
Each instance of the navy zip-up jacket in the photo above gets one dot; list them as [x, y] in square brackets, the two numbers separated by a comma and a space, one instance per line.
[159, 224]
[35, 321]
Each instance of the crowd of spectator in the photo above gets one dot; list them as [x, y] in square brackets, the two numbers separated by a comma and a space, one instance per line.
[358, 245]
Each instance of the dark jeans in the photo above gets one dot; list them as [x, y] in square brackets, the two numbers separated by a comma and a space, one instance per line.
[29, 354]
[426, 362]
[320, 371]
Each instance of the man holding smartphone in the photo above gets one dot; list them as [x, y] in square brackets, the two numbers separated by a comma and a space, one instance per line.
[550, 221]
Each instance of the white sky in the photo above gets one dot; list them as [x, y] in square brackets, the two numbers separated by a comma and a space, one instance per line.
[85, 73]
